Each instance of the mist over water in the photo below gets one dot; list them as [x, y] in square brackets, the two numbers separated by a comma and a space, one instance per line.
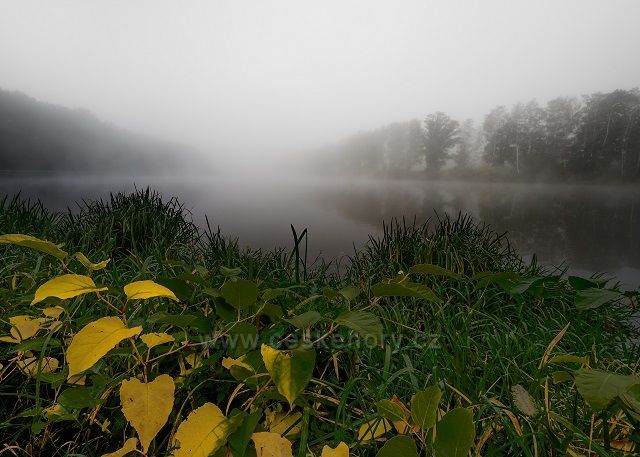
[336, 116]
[590, 229]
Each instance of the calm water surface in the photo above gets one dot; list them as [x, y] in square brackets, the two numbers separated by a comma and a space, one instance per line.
[590, 228]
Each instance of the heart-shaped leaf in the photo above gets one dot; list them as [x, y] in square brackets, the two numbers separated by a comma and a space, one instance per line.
[397, 446]
[240, 293]
[147, 405]
[289, 370]
[424, 407]
[364, 323]
[599, 387]
[455, 434]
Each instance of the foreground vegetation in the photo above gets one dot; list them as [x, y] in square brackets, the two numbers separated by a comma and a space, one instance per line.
[141, 332]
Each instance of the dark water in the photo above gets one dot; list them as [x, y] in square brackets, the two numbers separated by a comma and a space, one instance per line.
[590, 228]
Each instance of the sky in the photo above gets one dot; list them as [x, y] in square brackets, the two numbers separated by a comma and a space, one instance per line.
[260, 79]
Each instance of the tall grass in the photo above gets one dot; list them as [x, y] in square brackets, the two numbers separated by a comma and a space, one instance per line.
[476, 343]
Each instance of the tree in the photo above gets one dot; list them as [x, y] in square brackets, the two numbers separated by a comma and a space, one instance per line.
[466, 145]
[441, 134]
[562, 117]
[608, 139]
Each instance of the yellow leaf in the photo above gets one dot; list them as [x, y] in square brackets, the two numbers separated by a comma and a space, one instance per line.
[94, 340]
[29, 366]
[290, 370]
[271, 445]
[34, 243]
[129, 446]
[147, 406]
[140, 290]
[342, 450]
[54, 411]
[89, 264]
[66, 286]
[54, 326]
[625, 445]
[53, 312]
[193, 359]
[77, 380]
[280, 422]
[23, 328]
[154, 339]
[373, 429]
[229, 362]
[202, 433]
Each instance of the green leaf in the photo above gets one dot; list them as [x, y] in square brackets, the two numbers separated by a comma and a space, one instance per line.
[505, 279]
[524, 285]
[399, 446]
[242, 338]
[433, 270]
[245, 367]
[424, 407]
[230, 271]
[364, 323]
[272, 311]
[270, 294]
[561, 376]
[225, 311]
[290, 370]
[182, 289]
[79, 397]
[240, 293]
[594, 298]
[568, 358]
[330, 294]
[239, 439]
[197, 321]
[390, 410]
[349, 292]
[34, 243]
[404, 289]
[304, 320]
[579, 283]
[455, 434]
[599, 387]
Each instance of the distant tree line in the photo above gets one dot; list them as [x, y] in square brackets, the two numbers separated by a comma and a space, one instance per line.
[596, 137]
[36, 136]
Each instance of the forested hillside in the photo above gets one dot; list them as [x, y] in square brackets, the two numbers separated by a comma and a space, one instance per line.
[36, 136]
[594, 138]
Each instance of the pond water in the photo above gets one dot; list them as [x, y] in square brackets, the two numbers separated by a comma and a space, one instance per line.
[590, 228]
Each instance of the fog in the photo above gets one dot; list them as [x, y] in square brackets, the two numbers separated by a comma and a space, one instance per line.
[253, 81]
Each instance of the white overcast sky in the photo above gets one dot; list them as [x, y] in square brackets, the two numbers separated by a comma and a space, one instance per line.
[253, 78]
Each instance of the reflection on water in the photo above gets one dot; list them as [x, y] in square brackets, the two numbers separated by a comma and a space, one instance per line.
[591, 228]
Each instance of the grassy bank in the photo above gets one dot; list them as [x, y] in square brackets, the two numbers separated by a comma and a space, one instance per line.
[435, 339]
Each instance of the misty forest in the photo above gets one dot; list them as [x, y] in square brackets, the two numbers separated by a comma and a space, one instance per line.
[336, 229]
[596, 138]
